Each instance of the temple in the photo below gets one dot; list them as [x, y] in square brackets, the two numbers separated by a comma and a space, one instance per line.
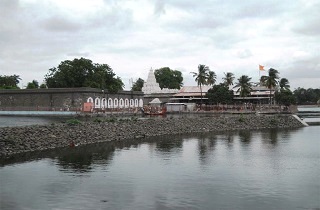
[151, 86]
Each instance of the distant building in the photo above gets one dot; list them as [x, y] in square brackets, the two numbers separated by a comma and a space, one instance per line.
[258, 95]
[192, 94]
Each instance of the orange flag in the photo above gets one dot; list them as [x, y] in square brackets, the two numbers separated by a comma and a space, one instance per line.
[261, 68]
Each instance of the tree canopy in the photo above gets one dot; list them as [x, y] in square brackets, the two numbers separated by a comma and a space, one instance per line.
[83, 73]
[168, 78]
[204, 76]
[137, 85]
[228, 79]
[285, 97]
[33, 85]
[284, 84]
[271, 80]
[211, 79]
[244, 85]
[307, 96]
[9, 82]
[220, 94]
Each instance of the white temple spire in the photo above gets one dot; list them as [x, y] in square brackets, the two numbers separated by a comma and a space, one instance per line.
[151, 86]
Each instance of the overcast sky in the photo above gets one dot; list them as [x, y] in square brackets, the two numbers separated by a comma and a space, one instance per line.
[134, 35]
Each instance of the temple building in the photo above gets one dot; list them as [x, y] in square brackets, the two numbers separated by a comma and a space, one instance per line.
[151, 86]
[190, 94]
[152, 90]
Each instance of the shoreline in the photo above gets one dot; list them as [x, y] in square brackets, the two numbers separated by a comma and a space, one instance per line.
[18, 140]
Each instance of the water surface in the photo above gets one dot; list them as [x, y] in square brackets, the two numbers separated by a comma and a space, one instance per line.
[12, 121]
[267, 169]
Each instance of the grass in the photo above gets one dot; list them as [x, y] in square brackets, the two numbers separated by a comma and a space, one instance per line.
[241, 118]
[73, 122]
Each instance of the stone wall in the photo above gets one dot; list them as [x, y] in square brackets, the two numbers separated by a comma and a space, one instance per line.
[57, 98]
[14, 140]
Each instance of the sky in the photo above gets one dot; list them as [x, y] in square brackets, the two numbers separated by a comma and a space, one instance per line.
[133, 36]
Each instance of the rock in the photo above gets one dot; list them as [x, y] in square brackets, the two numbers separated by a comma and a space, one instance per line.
[22, 139]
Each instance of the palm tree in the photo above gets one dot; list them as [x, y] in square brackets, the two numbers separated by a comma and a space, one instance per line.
[284, 84]
[271, 80]
[201, 76]
[228, 79]
[244, 86]
[211, 78]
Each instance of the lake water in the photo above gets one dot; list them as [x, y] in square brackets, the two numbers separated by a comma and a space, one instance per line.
[309, 109]
[265, 169]
[309, 114]
[10, 121]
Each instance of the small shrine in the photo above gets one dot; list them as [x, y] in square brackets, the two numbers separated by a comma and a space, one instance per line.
[155, 102]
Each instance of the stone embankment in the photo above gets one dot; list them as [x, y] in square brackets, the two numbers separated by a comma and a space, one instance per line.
[14, 140]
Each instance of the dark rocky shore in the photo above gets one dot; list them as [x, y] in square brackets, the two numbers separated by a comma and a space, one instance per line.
[15, 140]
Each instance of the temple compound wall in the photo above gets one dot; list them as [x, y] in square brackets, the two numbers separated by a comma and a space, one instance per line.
[65, 99]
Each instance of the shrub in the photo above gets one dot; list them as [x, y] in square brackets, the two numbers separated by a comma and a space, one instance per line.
[97, 120]
[241, 118]
[135, 119]
[73, 122]
[273, 121]
[111, 120]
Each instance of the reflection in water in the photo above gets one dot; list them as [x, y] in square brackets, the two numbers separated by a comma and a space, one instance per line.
[206, 145]
[163, 144]
[245, 136]
[285, 134]
[198, 171]
[270, 137]
[80, 159]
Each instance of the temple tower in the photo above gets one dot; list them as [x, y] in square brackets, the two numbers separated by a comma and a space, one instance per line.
[151, 85]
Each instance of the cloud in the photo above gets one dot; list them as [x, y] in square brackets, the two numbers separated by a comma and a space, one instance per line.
[78, 54]
[246, 53]
[307, 20]
[60, 24]
[305, 68]
[132, 36]
[159, 7]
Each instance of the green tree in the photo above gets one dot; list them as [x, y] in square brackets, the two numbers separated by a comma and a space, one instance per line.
[300, 95]
[306, 96]
[211, 80]
[137, 85]
[228, 79]
[33, 85]
[201, 76]
[284, 84]
[285, 97]
[220, 94]
[168, 78]
[9, 82]
[244, 86]
[43, 86]
[271, 80]
[83, 73]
